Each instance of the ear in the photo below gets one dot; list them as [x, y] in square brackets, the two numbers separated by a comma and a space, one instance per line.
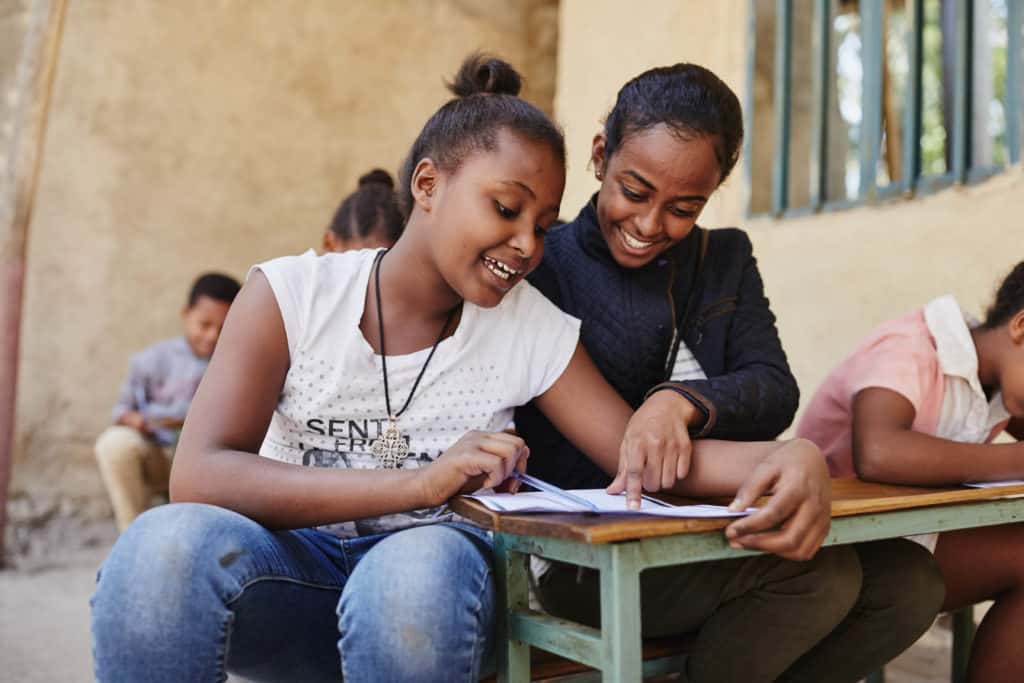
[1016, 328]
[597, 155]
[424, 182]
[330, 242]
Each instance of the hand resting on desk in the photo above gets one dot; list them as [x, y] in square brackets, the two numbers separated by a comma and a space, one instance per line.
[796, 519]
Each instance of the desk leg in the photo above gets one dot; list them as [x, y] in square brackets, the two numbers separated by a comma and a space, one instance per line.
[963, 634]
[620, 613]
[513, 593]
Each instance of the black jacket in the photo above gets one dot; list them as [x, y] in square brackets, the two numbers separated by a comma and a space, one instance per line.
[628, 320]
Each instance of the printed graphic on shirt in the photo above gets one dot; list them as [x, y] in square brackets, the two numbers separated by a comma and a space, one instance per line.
[316, 457]
[330, 418]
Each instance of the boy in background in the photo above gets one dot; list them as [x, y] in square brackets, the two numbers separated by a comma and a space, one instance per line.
[134, 454]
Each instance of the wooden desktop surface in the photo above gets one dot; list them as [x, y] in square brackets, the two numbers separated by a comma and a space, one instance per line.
[849, 497]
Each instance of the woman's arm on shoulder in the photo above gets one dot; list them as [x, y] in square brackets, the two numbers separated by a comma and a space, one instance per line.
[216, 460]
[887, 449]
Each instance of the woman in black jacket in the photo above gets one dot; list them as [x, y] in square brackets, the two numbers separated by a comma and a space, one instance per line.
[676, 318]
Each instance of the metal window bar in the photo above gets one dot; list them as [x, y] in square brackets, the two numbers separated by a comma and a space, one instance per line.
[823, 16]
[912, 106]
[872, 43]
[1014, 77]
[748, 108]
[962, 75]
[783, 91]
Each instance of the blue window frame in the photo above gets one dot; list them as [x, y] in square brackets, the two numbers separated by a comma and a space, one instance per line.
[939, 99]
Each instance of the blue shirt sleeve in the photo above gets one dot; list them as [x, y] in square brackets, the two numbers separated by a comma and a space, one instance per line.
[133, 391]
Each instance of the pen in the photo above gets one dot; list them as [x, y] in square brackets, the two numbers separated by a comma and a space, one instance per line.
[655, 501]
[542, 485]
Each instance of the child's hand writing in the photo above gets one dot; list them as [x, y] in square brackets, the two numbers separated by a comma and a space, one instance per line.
[477, 460]
[656, 448]
[796, 519]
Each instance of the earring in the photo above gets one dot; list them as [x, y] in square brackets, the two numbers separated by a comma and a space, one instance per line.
[599, 175]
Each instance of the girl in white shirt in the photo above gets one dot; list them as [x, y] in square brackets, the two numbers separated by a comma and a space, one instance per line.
[353, 374]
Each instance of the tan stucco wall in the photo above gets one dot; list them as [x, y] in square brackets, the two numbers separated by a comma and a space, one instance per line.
[830, 277]
[14, 29]
[191, 135]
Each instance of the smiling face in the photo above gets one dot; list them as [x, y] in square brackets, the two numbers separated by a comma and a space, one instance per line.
[488, 217]
[652, 190]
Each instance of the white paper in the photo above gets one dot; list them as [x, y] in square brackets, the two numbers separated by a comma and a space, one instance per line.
[538, 501]
[994, 484]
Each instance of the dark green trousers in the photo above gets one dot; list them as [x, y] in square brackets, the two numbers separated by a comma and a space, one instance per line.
[836, 617]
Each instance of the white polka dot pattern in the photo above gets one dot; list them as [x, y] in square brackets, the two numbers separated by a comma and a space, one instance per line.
[332, 405]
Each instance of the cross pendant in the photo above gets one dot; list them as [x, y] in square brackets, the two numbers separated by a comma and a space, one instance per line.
[390, 449]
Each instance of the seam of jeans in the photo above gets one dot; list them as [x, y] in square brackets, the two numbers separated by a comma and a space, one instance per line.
[286, 579]
[346, 559]
[476, 652]
[220, 673]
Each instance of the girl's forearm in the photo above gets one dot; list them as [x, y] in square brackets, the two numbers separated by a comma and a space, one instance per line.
[901, 456]
[718, 468]
[285, 496]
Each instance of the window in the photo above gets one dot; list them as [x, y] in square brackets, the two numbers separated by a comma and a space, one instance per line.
[851, 101]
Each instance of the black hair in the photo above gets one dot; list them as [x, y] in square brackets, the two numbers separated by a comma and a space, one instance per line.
[690, 100]
[373, 207]
[214, 285]
[1009, 299]
[486, 100]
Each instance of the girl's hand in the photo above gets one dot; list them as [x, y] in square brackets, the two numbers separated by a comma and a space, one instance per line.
[795, 521]
[656, 448]
[477, 460]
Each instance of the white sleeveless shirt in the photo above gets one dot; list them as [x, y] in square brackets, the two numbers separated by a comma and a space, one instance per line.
[332, 405]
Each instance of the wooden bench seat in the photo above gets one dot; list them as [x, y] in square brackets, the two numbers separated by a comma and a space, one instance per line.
[545, 666]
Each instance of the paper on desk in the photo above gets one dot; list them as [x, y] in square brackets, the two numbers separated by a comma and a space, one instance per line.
[537, 501]
[994, 484]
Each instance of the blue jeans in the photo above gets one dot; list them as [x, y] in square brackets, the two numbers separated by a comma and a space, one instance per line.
[191, 591]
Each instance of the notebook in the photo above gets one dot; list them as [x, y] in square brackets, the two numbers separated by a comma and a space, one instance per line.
[594, 501]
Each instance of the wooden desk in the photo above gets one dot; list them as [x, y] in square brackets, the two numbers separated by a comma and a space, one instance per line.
[622, 546]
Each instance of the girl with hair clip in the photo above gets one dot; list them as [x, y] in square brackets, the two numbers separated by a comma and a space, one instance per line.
[919, 402]
[375, 385]
[369, 218]
[675, 317]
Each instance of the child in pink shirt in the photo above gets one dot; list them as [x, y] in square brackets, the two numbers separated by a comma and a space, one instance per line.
[919, 402]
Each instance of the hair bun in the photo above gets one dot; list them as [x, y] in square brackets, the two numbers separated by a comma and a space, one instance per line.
[485, 74]
[377, 176]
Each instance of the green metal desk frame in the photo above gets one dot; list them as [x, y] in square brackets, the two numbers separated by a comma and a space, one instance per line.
[615, 649]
